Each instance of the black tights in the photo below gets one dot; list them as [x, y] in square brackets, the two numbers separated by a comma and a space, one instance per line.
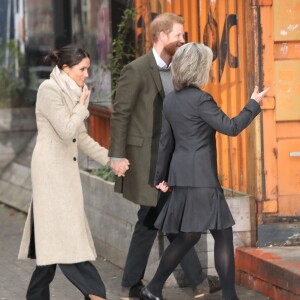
[224, 260]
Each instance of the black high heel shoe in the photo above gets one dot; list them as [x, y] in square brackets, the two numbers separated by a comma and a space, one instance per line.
[147, 295]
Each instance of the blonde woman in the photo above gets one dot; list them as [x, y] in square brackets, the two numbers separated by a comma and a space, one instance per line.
[187, 163]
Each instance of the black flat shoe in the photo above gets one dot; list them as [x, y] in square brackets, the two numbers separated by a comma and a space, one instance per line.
[147, 295]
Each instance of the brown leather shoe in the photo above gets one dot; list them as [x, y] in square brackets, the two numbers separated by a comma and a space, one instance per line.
[209, 285]
[131, 293]
[147, 295]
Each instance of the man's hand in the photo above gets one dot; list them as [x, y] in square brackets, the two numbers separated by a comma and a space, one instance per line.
[119, 166]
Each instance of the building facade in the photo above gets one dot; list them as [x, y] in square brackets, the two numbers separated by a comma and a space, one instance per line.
[254, 42]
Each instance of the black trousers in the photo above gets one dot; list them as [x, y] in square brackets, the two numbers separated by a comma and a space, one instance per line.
[83, 275]
[141, 244]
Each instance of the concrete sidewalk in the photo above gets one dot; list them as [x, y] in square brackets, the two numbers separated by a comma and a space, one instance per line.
[15, 275]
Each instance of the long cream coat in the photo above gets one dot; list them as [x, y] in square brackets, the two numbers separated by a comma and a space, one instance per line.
[62, 233]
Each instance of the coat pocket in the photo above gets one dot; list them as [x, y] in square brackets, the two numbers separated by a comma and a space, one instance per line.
[135, 140]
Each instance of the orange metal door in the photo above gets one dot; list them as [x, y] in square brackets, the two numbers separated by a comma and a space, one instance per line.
[225, 27]
[282, 114]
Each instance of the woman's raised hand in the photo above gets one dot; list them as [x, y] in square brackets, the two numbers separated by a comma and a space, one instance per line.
[258, 96]
[85, 97]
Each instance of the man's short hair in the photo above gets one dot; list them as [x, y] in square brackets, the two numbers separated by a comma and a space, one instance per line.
[164, 23]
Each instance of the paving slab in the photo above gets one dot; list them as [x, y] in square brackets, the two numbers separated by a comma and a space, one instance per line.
[15, 274]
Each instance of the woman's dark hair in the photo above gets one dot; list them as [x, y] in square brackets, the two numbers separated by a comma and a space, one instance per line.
[69, 55]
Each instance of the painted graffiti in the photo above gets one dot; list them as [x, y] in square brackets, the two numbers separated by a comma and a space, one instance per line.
[221, 49]
[220, 44]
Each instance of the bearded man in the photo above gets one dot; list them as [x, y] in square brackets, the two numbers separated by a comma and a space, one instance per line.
[135, 133]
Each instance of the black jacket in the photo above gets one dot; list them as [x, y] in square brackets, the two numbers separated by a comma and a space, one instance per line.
[187, 153]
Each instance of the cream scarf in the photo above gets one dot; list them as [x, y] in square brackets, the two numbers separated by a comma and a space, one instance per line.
[67, 84]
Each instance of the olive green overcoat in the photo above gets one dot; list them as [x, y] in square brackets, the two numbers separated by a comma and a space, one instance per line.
[135, 128]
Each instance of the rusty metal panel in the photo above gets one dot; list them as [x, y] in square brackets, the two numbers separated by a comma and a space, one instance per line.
[287, 82]
[221, 24]
[289, 176]
[261, 2]
[284, 50]
[222, 27]
[286, 20]
[281, 69]
[288, 131]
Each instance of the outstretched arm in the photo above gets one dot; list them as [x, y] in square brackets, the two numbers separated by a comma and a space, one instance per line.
[213, 115]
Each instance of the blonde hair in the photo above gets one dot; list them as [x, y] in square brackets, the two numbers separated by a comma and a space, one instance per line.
[191, 65]
[163, 22]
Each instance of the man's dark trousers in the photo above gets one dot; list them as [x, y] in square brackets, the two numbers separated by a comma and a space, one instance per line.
[140, 247]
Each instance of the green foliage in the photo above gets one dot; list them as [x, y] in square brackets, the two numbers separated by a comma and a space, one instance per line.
[122, 49]
[105, 173]
[12, 84]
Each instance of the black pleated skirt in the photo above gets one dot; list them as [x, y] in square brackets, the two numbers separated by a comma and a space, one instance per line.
[194, 209]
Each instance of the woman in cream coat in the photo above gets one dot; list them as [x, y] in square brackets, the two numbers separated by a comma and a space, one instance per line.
[56, 229]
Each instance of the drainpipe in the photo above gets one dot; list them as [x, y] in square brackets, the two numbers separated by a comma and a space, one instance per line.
[8, 16]
[258, 77]
[16, 37]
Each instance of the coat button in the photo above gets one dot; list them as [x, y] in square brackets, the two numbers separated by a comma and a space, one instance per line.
[74, 158]
[74, 140]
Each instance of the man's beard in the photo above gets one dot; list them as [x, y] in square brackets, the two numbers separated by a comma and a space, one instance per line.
[171, 48]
